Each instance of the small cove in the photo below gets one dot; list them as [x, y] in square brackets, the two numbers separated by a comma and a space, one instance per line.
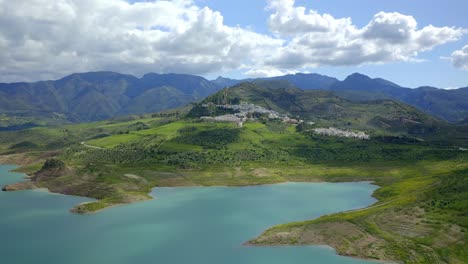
[181, 225]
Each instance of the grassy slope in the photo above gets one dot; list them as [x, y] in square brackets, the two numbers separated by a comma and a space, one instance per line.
[326, 109]
[420, 218]
[136, 155]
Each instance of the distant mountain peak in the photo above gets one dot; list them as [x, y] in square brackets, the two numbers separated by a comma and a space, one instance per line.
[96, 77]
[358, 76]
[221, 79]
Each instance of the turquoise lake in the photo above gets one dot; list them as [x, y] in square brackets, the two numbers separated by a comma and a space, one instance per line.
[181, 225]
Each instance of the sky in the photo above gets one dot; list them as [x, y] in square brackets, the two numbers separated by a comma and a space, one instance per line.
[412, 43]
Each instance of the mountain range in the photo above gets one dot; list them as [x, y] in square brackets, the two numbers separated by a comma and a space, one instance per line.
[449, 105]
[84, 97]
[92, 96]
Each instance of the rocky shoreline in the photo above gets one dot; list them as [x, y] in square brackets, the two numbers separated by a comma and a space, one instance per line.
[19, 186]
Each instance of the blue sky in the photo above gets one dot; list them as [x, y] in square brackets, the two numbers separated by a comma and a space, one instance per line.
[434, 72]
[410, 42]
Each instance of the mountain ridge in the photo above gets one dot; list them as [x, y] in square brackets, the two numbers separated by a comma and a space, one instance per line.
[450, 105]
[93, 96]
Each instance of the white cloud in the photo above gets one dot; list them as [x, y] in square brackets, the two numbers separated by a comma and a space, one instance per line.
[324, 40]
[460, 58]
[289, 20]
[267, 72]
[47, 39]
[41, 39]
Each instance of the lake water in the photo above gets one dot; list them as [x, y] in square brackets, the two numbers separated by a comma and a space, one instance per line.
[181, 225]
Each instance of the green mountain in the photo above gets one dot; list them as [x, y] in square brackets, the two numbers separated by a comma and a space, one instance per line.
[450, 105]
[308, 81]
[96, 96]
[304, 81]
[84, 97]
[327, 109]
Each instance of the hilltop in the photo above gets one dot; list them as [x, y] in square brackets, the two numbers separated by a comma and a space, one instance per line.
[326, 109]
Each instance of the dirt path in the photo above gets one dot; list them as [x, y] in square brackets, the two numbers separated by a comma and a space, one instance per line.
[89, 146]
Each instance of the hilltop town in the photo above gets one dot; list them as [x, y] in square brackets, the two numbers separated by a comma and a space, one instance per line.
[244, 111]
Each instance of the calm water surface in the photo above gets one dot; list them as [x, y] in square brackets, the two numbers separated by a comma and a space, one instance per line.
[181, 225]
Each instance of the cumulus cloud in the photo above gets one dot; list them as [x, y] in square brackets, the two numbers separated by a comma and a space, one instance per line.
[320, 39]
[42, 39]
[290, 20]
[267, 72]
[46, 39]
[460, 58]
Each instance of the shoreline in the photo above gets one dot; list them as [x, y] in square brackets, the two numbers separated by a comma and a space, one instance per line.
[32, 186]
[228, 186]
[247, 244]
[18, 186]
[109, 206]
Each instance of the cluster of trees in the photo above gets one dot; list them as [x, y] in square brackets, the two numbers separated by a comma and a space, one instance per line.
[451, 193]
[136, 151]
[210, 139]
[327, 149]
[199, 110]
[223, 157]
[53, 164]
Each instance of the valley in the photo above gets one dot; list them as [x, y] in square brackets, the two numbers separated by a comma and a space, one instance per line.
[408, 154]
[233, 132]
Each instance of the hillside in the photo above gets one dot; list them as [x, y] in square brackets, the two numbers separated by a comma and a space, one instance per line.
[326, 109]
[307, 81]
[450, 105]
[95, 96]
